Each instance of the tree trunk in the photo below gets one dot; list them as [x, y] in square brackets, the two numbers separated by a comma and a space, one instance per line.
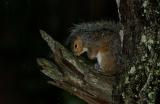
[139, 82]
[141, 28]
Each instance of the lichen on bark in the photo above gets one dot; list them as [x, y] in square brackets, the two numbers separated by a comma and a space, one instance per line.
[141, 80]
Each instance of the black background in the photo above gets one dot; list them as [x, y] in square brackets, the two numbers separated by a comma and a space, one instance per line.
[20, 43]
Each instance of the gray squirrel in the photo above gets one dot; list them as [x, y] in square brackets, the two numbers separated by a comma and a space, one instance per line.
[101, 40]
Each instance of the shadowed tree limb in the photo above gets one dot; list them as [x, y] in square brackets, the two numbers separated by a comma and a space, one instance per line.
[74, 75]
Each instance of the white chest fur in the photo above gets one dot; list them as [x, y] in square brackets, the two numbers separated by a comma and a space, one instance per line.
[99, 58]
[85, 49]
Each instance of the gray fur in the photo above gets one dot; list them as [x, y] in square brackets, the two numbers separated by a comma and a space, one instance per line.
[93, 33]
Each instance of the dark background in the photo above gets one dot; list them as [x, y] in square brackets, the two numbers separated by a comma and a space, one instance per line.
[21, 82]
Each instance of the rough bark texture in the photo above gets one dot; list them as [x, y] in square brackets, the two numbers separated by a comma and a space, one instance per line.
[141, 28]
[75, 75]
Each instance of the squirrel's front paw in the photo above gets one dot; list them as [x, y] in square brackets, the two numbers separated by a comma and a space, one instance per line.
[97, 67]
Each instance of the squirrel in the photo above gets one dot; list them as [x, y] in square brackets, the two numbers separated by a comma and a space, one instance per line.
[101, 41]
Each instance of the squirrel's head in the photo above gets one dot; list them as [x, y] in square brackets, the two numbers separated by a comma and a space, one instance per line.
[77, 46]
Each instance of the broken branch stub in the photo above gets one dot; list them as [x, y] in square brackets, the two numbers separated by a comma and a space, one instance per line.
[74, 75]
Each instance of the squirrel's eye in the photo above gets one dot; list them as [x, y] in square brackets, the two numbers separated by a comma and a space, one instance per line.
[75, 46]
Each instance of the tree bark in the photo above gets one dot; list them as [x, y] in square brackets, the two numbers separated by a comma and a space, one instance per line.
[141, 28]
[76, 76]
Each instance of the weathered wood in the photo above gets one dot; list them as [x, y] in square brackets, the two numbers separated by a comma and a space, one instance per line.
[76, 76]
